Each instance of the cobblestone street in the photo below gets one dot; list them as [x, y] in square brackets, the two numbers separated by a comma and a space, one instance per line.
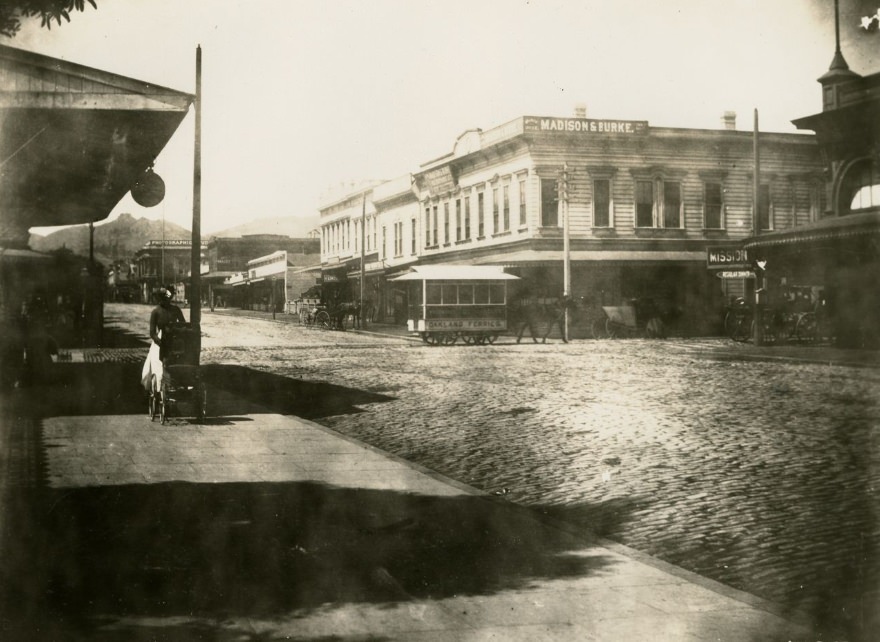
[762, 475]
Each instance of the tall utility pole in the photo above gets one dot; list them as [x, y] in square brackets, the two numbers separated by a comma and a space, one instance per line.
[195, 311]
[756, 227]
[566, 250]
[363, 252]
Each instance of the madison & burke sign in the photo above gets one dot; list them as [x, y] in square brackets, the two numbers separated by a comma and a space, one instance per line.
[584, 125]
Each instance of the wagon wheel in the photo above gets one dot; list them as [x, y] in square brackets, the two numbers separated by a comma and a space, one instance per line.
[449, 338]
[597, 329]
[164, 402]
[807, 328]
[322, 320]
[490, 338]
[430, 338]
[612, 329]
[154, 399]
[201, 401]
[468, 338]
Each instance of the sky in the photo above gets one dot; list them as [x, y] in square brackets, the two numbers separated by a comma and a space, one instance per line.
[303, 97]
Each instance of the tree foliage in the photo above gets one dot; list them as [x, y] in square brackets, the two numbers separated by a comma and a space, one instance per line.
[12, 12]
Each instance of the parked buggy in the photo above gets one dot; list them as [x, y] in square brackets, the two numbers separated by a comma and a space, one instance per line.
[182, 377]
[637, 318]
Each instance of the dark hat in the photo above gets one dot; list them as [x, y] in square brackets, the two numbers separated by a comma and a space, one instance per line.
[166, 292]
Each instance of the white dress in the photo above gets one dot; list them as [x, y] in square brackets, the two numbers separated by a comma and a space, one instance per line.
[152, 367]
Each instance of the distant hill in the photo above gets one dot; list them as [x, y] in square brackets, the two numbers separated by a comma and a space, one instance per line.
[292, 226]
[117, 240]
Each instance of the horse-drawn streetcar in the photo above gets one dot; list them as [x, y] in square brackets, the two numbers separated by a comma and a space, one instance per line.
[451, 302]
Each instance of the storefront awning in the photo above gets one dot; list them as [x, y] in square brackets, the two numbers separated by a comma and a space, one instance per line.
[74, 140]
[457, 273]
[842, 227]
[526, 258]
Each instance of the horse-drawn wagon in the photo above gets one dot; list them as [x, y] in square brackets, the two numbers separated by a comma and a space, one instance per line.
[451, 302]
[636, 318]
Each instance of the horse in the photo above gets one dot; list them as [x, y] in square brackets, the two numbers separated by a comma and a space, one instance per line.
[343, 311]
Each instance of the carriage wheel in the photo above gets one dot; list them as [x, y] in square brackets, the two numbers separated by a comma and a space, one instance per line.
[430, 338]
[468, 338]
[597, 329]
[154, 399]
[201, 401]
[807, 328]
[164, 403]
[322, 320]
[490, 338]
[612, 329]
[449, 338]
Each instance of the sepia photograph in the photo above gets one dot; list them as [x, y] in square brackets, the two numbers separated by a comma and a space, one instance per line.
[440, 320]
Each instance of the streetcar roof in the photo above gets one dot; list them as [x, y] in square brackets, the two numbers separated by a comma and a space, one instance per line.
[457, 273]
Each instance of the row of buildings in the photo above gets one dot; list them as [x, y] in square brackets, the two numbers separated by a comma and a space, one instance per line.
[646, 210]
[265, 272]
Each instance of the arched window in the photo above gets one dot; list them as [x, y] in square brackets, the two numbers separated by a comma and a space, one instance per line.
[860, 188]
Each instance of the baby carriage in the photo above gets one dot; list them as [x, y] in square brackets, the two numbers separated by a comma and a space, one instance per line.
[181, 378]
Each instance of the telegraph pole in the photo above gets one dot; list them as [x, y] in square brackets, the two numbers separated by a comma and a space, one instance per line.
[566, 250]
[363, 253]
[756, 226]
[195, 313]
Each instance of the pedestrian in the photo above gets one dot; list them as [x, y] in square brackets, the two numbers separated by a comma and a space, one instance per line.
[557, 313]
[161, 317]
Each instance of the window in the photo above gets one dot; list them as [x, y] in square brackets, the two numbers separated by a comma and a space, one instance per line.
[549, 203]
[446, 222]
[458, 219]
[384, 241]
[495, 229]
[427, 226]
[412, 249]
[481, 215]
[398, 239]
[671, 204]
[712, 206]
[764, 207]
[505, 209]
[467, 217]
[601, 203]
[435, 226]
[522, 202]
[644, 204]
[860, 189]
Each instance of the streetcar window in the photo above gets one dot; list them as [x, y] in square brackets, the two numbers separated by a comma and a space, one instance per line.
[496, 293]
[466, 293]
[433, 293]
[481, 293]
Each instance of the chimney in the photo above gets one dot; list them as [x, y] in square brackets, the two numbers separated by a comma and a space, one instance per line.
[728, 119]
[580, 110]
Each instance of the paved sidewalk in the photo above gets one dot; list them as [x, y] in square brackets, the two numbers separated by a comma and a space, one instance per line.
[262, 526]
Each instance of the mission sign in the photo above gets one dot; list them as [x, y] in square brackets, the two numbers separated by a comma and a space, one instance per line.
[727, 257]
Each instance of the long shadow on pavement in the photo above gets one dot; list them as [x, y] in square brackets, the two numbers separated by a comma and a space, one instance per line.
[81, 559]
[81, 389]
